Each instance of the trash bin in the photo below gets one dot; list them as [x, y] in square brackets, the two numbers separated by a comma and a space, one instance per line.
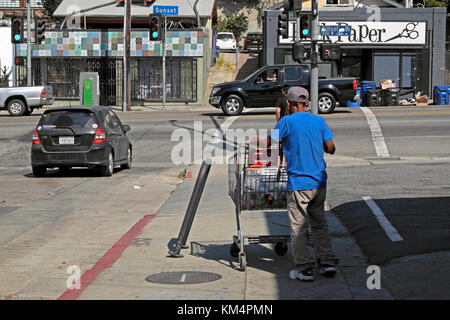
[357, 103]
[372, 97]
[364, 86]
[441, 95]
[390, 97]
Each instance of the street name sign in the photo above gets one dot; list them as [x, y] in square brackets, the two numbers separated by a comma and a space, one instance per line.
[166, 10]
[335, 31]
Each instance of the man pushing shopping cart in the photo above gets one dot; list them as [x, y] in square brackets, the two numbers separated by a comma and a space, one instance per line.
[305, 137]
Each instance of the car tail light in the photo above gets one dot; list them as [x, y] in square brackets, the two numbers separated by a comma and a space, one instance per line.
[100, 135]
[247, 40]
[355, 86]
[36, 139]
[43, 93]
[234, 39]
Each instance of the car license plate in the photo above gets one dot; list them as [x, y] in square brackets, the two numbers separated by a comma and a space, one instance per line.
[66, 140]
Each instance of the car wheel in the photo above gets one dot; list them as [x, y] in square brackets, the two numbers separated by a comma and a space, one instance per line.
[232, 105]
[107, 171]
[39, 171]
[327, 103]
[129, 159]
[16, 107]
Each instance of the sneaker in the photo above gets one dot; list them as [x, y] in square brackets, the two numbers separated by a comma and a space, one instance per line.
[327, 270]
[305, 275]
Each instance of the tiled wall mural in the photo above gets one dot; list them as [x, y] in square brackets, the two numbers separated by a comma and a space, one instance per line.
[66, 43]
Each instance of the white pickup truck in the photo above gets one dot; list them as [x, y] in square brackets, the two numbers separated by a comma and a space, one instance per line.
[21, 101]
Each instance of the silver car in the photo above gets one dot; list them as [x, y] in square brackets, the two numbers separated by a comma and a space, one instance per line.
[21, 101]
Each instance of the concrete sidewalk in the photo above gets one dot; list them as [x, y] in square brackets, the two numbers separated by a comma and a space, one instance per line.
[266, 276]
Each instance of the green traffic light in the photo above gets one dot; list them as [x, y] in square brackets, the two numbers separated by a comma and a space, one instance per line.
[305, 32]
[155, 34]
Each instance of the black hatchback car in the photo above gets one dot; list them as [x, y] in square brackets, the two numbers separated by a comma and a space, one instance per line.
[80, 137]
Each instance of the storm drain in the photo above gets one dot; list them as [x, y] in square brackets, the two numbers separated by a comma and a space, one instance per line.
[183, 277]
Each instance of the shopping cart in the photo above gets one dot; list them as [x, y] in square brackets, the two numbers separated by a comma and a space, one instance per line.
[257, 182]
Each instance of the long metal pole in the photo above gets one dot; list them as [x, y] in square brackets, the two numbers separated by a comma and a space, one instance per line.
[128, 53]
[125, 71]
[28, 43]
[314, 85]
[164, 66]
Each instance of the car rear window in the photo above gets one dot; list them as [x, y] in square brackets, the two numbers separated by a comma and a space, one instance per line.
[254, 36]
[83, 119]
[224, 36]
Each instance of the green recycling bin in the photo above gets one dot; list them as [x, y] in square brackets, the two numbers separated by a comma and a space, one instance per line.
[87, 92]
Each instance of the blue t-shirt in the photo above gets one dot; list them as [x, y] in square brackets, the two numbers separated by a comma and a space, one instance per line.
[303, 135]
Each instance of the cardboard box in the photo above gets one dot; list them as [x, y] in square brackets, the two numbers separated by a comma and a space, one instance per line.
[388, 83]
[422, 100]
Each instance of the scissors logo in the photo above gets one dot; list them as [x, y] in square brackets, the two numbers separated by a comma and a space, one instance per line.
[408, 32]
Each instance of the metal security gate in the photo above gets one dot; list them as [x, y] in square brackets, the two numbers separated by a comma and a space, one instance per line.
[110, 72]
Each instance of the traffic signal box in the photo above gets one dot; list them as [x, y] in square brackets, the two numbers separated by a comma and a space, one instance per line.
[298, 52]
[283, 20]
[17, 30]
[39, 29]
[330, 52]
[156, 27]
[305, 26]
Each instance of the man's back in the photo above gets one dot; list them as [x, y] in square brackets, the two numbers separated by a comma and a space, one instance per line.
[303, 135]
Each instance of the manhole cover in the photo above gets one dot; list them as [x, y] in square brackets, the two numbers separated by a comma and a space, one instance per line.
[183, 277]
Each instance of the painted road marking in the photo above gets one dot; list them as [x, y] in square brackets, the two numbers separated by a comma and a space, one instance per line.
[183, 277]
[108, 259]
[388, 228]
[377, 134]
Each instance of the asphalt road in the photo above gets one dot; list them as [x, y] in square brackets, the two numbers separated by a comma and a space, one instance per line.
[410, 187]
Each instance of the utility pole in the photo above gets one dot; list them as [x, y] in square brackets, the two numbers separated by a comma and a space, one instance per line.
[126, 58]
[28, 43]
[164, 66]
[314, 84]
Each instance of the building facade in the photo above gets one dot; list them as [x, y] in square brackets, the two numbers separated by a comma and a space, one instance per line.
[94, 42]
[405, 44]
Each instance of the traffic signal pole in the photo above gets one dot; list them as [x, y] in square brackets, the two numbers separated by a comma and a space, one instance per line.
[314, 80]
[28, 43]
[164, 65]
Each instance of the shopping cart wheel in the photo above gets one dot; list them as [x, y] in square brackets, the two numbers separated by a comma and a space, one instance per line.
[281, 248]
[242, 261]
[234, 250]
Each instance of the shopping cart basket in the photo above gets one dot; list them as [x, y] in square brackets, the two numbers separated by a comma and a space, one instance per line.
[257, 183]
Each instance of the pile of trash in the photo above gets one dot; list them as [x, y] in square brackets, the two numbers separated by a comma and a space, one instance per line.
[408, 102]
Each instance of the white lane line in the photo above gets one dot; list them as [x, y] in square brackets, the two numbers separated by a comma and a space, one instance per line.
[183, 277]
[388, 228]
[377, 135]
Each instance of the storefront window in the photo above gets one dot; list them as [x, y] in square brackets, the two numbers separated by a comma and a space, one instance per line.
[398, 66]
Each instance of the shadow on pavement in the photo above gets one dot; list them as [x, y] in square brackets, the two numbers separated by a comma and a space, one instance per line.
[423, 223]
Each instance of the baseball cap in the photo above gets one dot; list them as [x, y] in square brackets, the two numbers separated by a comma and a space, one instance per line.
[298, 94]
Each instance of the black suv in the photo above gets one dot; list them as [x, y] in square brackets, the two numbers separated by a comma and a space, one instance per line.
[80, 137]
[253, 42]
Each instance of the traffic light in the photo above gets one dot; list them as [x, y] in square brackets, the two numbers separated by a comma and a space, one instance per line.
[156, 27]
[19, 61]
[17, 30]
[283, 20]
[305, 26]
[330, 52]
[298, 52]
[39, 30]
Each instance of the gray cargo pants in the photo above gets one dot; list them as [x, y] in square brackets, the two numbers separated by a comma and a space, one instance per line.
[305, 207]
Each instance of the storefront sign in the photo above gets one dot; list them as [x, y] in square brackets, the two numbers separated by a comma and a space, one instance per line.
[374, 33]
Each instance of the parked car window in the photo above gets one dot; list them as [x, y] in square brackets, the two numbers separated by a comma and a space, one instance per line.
[115, 120]
[68, 119]
[293, 74]
[224, 36]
